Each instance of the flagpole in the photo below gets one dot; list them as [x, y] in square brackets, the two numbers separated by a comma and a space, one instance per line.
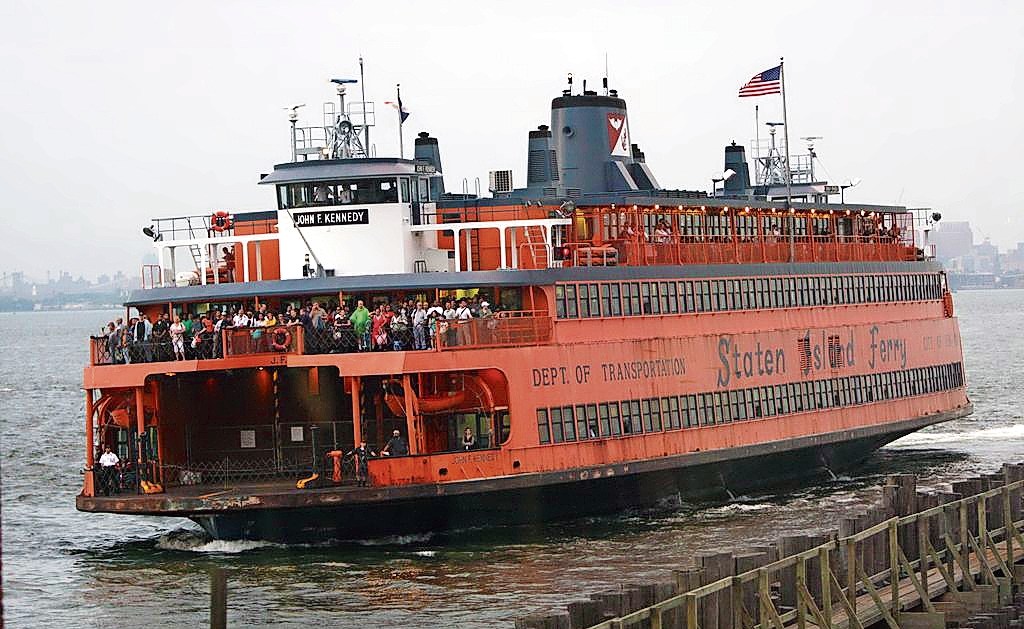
[401, 142]
[757, 144]
[789, 174]
[366, 127]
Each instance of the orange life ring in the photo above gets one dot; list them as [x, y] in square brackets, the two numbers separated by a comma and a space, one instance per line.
[285, 336]
[221, 221]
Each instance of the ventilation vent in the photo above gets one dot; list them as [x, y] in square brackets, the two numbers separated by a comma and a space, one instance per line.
[554, 165]
[535, 168]
[500, 181]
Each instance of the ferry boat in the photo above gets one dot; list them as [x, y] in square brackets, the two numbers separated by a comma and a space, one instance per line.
[639, 342]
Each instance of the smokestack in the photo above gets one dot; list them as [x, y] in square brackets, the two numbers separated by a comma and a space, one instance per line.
[736, 160]
[541, 164]
[427, 150]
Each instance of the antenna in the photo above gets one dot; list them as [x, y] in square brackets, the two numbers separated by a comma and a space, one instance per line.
[604, 81]
[810, 143]
[570, 84]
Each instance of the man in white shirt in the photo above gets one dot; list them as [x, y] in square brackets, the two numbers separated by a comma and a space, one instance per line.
[463, 315]
[419, 325]
[108, 470]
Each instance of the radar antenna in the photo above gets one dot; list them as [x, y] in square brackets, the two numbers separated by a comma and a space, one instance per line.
[343, 137]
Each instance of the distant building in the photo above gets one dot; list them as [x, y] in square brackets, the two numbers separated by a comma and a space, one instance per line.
[953, 239]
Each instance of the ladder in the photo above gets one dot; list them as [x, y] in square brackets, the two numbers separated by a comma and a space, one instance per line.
[193, 248]
[535, 240]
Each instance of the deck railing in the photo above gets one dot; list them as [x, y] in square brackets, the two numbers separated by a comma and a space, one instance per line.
[504, 329]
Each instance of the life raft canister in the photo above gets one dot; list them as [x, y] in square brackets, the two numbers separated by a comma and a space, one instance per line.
[221, 221]
[947, 304]
[280, 339]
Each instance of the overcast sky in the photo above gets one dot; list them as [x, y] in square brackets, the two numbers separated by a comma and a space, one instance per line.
[112, 113]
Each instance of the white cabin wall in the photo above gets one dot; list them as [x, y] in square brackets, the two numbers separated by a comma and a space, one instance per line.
[385, 245]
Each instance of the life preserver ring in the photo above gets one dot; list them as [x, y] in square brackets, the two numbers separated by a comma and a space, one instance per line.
[280, 339]
[221, 221]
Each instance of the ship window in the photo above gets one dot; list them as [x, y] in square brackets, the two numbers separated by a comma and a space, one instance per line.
[782, 399]
[560, 301]
[767, 401]
[739, 406]
[556, 425]
[646, 411]
[634, 409]
[603, 420]
[568, 430]
[627, 418]
[592, 420]
[606, 302]
[403, 184]
[670, 412]
[754, 400]
[282, 197]
[656, 420]
[634, 298]
[722, 414]
[691, 411]
[704, 414]
[570, 301]
[732, 297]
[616, 305]
[686, 293]
[584, 290]
[543, 429]
[595, 304]
[613, 418]
[581, 423]
[669, 303]
[775, 292]
[651, 306]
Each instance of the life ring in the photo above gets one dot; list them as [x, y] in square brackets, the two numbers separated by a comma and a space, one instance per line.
[221, 221]
[285, 337]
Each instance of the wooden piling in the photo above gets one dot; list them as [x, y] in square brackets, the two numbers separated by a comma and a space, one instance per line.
[717, 608]
[218, 598]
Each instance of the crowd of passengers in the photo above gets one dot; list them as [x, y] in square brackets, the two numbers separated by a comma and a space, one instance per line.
[401, 324]
[663, 233]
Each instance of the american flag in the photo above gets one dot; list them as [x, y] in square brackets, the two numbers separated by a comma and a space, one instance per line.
[767, 82]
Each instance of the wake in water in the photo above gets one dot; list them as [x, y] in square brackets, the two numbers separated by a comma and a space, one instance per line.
[198, 542]
[998, 433]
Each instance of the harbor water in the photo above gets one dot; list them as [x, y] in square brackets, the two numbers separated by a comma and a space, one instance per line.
[62, 568]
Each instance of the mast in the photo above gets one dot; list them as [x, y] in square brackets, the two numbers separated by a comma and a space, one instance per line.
[789, 175]
[366, 127]
[401, 142]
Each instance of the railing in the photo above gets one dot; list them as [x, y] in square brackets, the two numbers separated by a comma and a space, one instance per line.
[279, 339]
[874, 575]
[747, 250]
[504, 329]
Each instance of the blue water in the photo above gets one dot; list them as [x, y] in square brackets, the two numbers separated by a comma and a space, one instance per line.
[64, 569]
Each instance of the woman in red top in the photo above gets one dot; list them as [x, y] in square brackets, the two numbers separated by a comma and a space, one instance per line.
[381, 327]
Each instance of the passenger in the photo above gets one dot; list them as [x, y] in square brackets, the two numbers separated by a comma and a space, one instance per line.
[463, 316]
[381, 327]
[143, 339]
[419, 325]
[360, 319]
[468, 440]
[178, 338]
[662, 233]
[400, 331]
[108, 470]
[396, 445]
[128, 341]
[362, 455]
[162, 338]
[229, 264]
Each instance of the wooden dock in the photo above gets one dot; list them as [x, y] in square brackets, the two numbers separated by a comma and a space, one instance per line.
[915, 560]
